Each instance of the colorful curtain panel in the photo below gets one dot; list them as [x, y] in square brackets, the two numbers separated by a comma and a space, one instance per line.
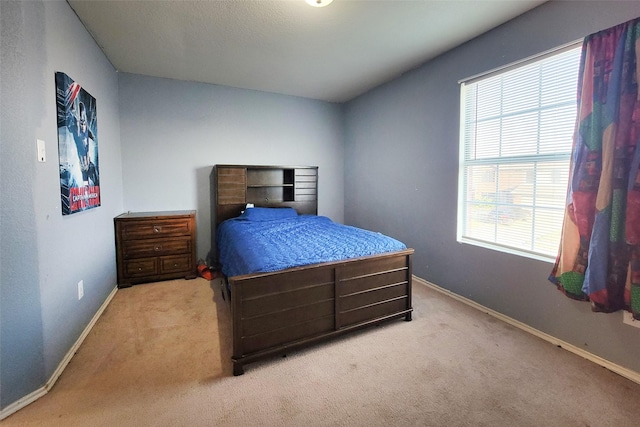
[599, 256]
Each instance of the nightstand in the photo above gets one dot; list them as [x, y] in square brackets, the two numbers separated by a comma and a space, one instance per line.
[154, 246]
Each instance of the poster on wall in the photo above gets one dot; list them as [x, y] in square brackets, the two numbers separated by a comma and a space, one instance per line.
[77, 146]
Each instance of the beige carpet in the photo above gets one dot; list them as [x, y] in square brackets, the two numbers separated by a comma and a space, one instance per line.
[159, 356]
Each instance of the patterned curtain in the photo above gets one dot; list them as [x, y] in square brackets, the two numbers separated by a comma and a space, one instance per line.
[599, 256]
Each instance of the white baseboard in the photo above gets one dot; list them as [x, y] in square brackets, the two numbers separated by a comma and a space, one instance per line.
[620, 370]
[21, 403]
[32, 397]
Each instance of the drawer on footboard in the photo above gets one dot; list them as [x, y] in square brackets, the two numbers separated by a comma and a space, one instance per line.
[372, 312]
[374, 296]
[373, 289]
[273, 310]
[290, 334]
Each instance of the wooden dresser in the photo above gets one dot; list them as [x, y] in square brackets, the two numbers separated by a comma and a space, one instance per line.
[154, 246]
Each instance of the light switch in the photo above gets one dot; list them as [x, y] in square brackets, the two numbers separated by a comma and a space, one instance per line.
[42, 155]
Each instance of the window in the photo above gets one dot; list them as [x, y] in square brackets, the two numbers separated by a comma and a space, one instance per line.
[516, 135]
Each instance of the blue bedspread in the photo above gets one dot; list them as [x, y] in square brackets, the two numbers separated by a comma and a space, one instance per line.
[246, 246]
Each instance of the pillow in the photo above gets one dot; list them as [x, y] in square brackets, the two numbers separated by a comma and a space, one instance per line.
[268, 214]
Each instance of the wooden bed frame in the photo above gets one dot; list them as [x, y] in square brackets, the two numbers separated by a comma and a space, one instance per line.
[273, 313]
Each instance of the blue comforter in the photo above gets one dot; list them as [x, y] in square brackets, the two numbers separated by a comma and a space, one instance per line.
[246, 246]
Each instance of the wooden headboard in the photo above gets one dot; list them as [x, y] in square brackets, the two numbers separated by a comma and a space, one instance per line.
[264, 186]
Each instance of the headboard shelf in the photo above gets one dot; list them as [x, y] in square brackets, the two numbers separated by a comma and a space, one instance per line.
[264, 186]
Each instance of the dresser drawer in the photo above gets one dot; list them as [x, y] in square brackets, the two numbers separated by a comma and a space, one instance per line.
[155, 247]
[140, 267]
[149, 229]
[175, 263]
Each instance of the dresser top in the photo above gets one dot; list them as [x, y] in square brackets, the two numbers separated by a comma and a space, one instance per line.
[158, 214]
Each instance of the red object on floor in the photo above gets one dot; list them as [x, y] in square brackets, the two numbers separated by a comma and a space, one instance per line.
[205, 272]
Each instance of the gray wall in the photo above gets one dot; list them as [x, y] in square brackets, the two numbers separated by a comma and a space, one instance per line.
[173, 132]
[44, 254]
[401, 148]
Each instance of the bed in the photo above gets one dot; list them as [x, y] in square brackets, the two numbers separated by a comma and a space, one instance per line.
[284, 306]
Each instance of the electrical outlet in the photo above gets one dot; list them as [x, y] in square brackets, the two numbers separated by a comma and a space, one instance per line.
[80, 289]
[627, 319]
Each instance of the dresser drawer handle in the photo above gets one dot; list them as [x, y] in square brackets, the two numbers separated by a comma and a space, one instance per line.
[157, 248]
[157, 229]
[139, 268]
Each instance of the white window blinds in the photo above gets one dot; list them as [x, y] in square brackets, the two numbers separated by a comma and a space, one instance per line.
[516, 135]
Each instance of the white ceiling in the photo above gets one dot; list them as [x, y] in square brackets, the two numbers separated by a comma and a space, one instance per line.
[334, 53]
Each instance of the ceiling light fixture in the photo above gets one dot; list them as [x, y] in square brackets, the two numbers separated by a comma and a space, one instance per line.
[318, 3]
